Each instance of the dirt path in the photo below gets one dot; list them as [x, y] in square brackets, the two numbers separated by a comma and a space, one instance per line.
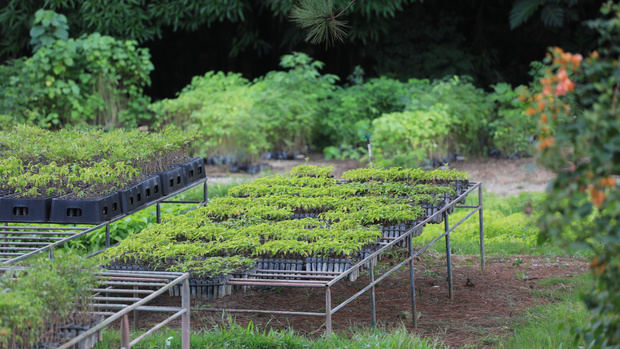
[485, 305]
[501, 176]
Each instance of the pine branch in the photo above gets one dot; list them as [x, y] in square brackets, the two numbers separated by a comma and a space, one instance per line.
[317, 16]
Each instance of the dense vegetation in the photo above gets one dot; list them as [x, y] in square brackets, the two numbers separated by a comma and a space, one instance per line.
[576, 102]
[36, 303]
[492, 42]
[86, 163]
[408, 123]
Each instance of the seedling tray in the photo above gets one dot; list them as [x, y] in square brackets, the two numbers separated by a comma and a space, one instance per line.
[279, 264]
[24, 210]
[391, 232]
[140, 194]
[194, 170]
[327, 264]
[205, 288]
[85, 211]
[172, 180]
[152, 188]
[132, 197]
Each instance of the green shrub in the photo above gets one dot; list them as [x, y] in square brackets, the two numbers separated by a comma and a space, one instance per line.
[350, 112]
[47, 27]
[235, 116]
[220, 107]
[511, 130]
[408, 138]
[467, 107]
[290, 101]
[91, 80]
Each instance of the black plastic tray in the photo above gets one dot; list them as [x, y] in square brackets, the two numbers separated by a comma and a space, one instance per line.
[140, 194]
[194, 170]
[86, 211]
[24, 210]
[172, 180]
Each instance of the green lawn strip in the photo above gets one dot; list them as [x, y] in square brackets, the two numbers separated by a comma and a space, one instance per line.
[510, 228]
[548, 325]
[236, 336]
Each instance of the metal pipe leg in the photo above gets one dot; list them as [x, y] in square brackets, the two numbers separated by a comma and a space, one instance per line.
[373, 305]
[158, 212]
[412, 284]
[107, 236]
[328, 311]
[448, 255]
[125, 332]
[205, 193]
[481, 222]
[185, 320]
[51, 253]
[135, 312]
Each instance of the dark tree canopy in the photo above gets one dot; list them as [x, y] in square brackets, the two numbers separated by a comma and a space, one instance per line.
[399, 38]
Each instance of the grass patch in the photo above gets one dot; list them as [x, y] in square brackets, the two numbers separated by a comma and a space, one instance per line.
[548, 326]
[235, 336]
[509, 228]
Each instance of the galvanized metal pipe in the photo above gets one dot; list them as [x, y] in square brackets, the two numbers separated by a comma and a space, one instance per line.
[367, 287]
[107, 236]
[205, 192]
[185, 321]
[448, 255]
[124, 312]
[373, 306]
[328, 311]
[412, 284]
[260, 311]
[481, 227]
[284, 283]
[158, 213]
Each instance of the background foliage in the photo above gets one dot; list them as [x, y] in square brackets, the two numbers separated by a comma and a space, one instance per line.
[579, 123]
[93, 79]
[403, 38]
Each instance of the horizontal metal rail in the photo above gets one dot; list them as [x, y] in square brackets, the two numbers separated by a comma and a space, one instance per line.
[139, 304]
[259, 311]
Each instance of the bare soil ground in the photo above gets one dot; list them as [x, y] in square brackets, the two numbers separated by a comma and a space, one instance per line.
[501, 176]
[485, 305]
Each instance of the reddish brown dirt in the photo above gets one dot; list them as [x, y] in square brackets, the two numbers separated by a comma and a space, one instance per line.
[483, 307]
